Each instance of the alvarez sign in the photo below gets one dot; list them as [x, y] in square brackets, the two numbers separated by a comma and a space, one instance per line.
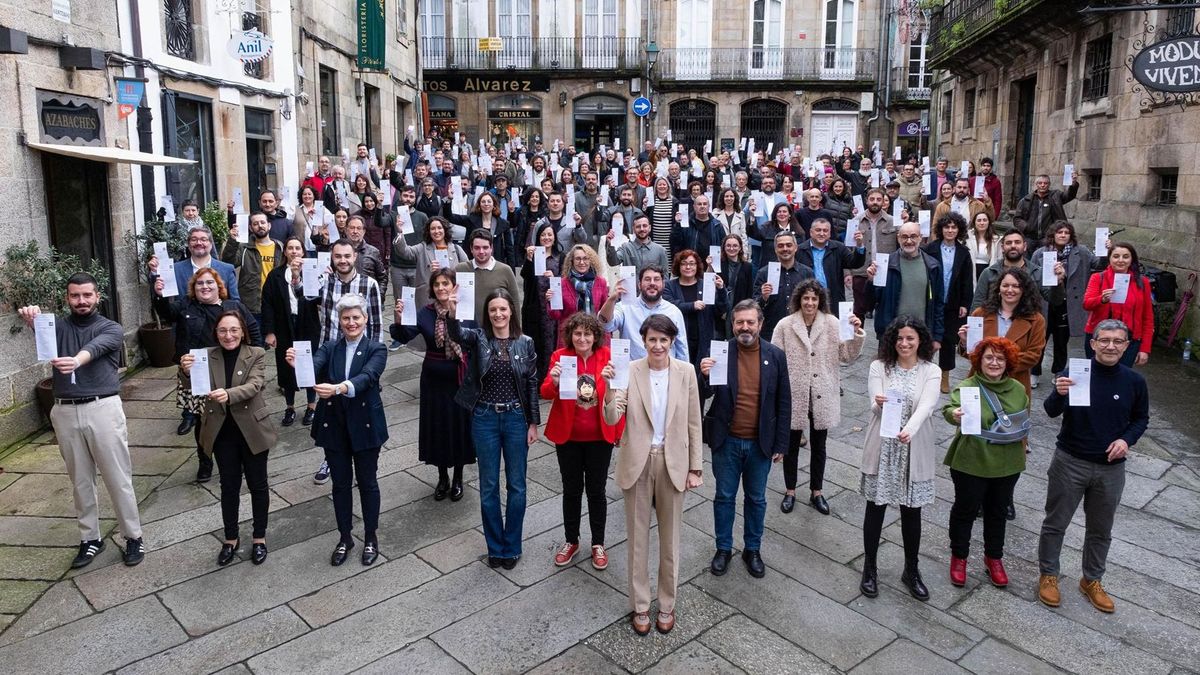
[250, 46]
[1170, 65]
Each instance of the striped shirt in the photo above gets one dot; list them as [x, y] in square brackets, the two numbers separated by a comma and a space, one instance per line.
[662, 224]
[333, 291]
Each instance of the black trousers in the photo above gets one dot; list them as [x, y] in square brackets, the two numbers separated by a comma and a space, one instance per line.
[584, 464]
[344, 468]
[1058, 333]
[816, 449]
[948, 354]
[971, 492]
[910, 532]
[234, 460]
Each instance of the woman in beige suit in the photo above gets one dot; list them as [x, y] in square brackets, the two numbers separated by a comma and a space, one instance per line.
[811, 338]
[661, 456]
[236, 429]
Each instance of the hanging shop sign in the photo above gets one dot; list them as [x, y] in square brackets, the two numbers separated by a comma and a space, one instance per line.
[372, 34]
[129, 95]
[913, 128]
[471, 83]
[71, 120]
[250, 46]
[1170, 66]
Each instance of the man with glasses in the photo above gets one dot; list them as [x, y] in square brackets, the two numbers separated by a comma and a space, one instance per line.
[914, 286]
[1089, 461]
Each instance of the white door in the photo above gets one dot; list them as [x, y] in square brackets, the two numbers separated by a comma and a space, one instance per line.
[433, 33]
[766, 40]
[600, 36]
[830, 132]
[841, 18]
[693, 40]
[513, 25]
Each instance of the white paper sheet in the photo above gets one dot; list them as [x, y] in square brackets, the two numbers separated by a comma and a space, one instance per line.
[1080, 372]
[45, 336]
[858, 205]
[310, 276]
[405, 217]
[1068, 175]
[714, 252]
[848, 235]
[408, 316]
[926, 184]
[556, 293]
[719, 352]
[881, 270]
[617, 225]
[306, 375]
[539, 261]
[166, 270]
[923, 220]
[239, 203]
[242, 225]
[972, 419]
[684, 220]
[466, 297]
[1120, 289]
[1100, 248]
[168, 205]
[773, 270]
[201, 382]
[845, 328]
[308, 169]
[964, 169]
[896, 154]
[893, 410]
[442, 256]
[974, 332]
[620, 363]
[627, 278]
[979, 191]
[1049, 260]
[709, 291]
[897, 207]
[568, 378]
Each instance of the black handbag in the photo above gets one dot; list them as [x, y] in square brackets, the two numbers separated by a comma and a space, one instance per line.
[1008, 427]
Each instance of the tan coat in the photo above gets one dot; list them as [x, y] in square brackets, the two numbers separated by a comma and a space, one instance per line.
[684, 449]
[245, 402]
[1028, 333]
[919, 427]
[814, 367]
[974, 207]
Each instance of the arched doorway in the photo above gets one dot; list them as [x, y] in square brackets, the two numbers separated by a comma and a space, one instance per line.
[694, 123]
[834, 125]
[765, 120]
[599, 119]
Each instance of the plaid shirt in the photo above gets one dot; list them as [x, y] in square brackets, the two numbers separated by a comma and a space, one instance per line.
[334, 289]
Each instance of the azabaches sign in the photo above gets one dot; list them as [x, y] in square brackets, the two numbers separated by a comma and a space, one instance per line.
[1170, 65]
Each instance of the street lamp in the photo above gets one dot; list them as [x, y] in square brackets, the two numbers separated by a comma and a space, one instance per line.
[652, 51]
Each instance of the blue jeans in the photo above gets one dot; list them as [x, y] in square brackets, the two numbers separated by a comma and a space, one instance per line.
[501, 434]
[740, 458]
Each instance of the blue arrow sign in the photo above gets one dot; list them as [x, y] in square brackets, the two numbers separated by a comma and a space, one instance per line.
[641, 106]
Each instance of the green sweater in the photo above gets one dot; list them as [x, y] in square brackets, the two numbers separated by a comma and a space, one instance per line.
[973, 455]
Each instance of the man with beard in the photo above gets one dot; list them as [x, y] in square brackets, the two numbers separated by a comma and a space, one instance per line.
[1039, 209]
[253, 261]
[914, 286]
[1012, 250]
[775, 301]
[962, 203]
[860, 179]
[991, 185]
[879, 236]
[362, 165]
[626, 210]
[278, 219]
[625, 319]
[88, 420]
[911, 187]
[367, 258]
[749, 425]
[640, 251]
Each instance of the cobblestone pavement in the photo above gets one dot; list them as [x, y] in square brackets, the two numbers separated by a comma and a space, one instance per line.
[431, 605]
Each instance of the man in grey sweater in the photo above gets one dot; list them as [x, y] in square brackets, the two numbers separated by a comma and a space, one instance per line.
[490, 273]
[88, 419]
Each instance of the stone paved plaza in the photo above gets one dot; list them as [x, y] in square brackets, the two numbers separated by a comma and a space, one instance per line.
[432, 605]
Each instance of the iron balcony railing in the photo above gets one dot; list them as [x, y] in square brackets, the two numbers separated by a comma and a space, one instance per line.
[959, 22]
[530, 53]
[779, 64]
[910, 85]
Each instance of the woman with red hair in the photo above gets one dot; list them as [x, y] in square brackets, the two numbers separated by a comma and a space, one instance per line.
[985, 466]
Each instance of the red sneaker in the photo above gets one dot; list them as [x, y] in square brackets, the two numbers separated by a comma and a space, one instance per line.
[599, 557]
[566, 554]
[958, 571]
[995, 570]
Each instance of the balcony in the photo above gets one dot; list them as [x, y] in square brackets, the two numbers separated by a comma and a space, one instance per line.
[750, 67]
[957, 29]
[909, 87]
[552, 54]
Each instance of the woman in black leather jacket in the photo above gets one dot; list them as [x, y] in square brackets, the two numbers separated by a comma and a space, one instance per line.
[501, 391]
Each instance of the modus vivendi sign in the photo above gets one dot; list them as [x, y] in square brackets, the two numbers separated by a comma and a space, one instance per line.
[1169, 66]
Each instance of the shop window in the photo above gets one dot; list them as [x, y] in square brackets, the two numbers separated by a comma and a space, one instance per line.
[327, 83]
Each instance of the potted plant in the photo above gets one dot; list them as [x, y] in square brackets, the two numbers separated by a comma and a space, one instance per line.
[157, 340]
[216, 218]
[30, 277]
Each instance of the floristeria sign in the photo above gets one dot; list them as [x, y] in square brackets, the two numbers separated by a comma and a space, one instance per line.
[1169, 66]
[250, 46]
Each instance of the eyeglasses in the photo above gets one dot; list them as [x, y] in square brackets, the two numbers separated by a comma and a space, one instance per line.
[994, 359]
[229, 331]
[907, 237]
[1110, 342]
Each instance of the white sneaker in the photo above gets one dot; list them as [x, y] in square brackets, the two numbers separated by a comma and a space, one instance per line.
[1033, 381]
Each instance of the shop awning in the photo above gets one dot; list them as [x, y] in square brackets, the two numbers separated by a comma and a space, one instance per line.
[109, 155]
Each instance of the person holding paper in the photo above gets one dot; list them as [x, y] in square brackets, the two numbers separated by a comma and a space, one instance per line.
[379, 230]
[626, 210]
[958, 283]
[1136, 312]
[879, 236]
[736, 275]
[1089, 461]
[583, 439]
[775, 301]
[728, 213]
[1013, 310]
[428, 201]
[747, 429]
[810, 338]
[500, 389]
[662, 456]
[336, 193]
[962, 203]
[253, 261]
[831, 260]
[625, 318]
[88, 418]
[426, 256]
[860, 179]
[486, 216]
[983, 243]
[200, 249]
[1012, 256]
[584, 288]
[910, 187]
[1063, 307]
[314, 224]
[536, 321]
[662, 212]
[942, 175]
[899, 471]
[640, 251]
[840, 203]
[686, 291]
[765, 231]
[444, 428]
[346, 279]
[195, 316]
[235, 430]
[278, 220]
[914, 286]
[814, 208]
[285, 319]
[991, 185]
[702, 229]
[1038, 209]
[323, 175]
[985, 469]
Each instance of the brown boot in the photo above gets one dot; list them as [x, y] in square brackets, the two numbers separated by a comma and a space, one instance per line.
[945, 382]
[1048, 590]
[1095, 592]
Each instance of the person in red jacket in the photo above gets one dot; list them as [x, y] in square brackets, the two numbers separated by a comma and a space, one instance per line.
[582, 439]
[991, 185]
[323, 175]
[1137, 311]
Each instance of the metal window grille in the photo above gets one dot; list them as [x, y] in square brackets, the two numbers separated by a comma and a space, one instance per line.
[765, 121]
[1168, 184]
[180, 33]
[1096, 64]
[1094, 180]
[1179, 21]
[255, 69]
[694, 123]
[969, 109]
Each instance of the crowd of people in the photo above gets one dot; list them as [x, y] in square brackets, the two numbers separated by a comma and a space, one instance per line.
[682, 302]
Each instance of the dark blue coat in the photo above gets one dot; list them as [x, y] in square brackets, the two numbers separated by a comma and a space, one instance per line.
[774, 402]
[359, 419]
[707, 318]
[887, 299]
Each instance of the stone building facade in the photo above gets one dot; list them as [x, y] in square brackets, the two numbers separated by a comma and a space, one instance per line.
[1062, 94]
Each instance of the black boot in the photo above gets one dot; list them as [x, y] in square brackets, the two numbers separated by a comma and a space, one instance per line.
[912, 581]
[870, 581]
[204, 472]
[186, 421]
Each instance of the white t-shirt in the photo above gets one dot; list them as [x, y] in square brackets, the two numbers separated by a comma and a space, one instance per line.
[659, 384]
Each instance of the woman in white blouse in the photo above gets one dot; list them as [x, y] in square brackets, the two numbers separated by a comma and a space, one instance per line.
[983, 242]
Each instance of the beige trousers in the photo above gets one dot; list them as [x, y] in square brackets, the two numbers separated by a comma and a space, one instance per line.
[653, 491]
[93, 436]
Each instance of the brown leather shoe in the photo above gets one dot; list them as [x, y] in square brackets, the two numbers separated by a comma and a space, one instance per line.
[641, 623]
[945, 382]
[666, 621]
[1048, 590]
[1095, 592]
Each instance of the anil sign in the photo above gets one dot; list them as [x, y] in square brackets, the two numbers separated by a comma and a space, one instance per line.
[1170, 66]
[250, 46]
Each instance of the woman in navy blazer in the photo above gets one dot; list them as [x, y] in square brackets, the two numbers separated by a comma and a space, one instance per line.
[686, 291]
[349, 423]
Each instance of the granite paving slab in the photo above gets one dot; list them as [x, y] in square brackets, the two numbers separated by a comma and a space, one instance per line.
[904, 656]
[422, 656]
[996, 658]
[578, 660]
[62, 603]
[694, 658]
[756, 649]
[45, 531]
[16, 596]
[30, 563]
[163, 567]
[380, 582]
[455, 551]
[920, 623]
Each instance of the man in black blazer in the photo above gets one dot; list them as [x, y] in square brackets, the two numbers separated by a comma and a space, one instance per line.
[747, 429]
[830, 259]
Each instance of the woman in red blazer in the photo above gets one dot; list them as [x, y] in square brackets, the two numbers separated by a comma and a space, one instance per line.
[1137, 312]
[581, 437]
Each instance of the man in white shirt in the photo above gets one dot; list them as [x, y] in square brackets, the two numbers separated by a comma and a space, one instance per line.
[626, 318]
